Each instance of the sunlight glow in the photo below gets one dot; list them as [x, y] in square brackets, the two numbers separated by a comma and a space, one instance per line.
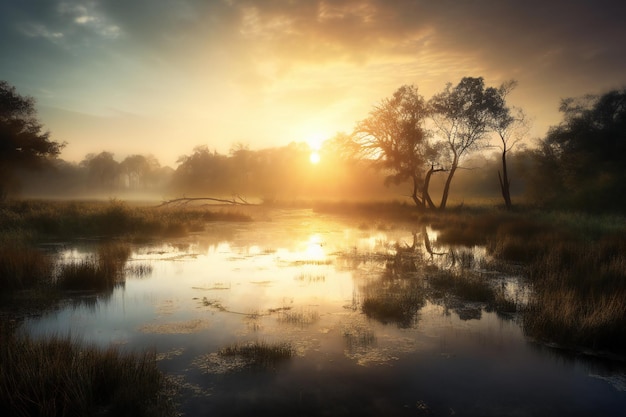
[314, 158]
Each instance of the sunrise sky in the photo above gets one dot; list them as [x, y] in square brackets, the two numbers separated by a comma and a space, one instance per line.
[163, 76]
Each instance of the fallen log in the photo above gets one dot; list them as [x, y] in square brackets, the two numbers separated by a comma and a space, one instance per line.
[237, 201]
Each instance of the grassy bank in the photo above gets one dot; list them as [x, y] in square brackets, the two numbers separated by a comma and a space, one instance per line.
[31, 220]
[576, 264]
[63, 377]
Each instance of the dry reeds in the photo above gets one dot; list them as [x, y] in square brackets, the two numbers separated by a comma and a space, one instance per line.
[579, 295]
[101, 272]
[23, 267]
[61, 377]
[259, 353]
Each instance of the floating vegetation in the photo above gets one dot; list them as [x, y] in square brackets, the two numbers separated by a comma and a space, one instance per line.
[140, 270]
[307, 277]
[216, 286]
[359, 339]
[180, 327]
[216, 304]
[303, 317]
[258, 353]
[393, 299]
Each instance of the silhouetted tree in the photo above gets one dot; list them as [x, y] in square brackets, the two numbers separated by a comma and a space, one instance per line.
[395, 138]
[587, 151]
[23, 144]
[462, 115]
[102, 170]
[511, 126]
[138, 170]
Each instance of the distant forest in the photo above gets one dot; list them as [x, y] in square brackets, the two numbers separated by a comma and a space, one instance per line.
[276, 174]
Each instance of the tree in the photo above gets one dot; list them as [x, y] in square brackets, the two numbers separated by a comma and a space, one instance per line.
[102, 169]
[588, 151]
[394, 138]
[23, 144]
[138, 170]
[462, 115]
[511, 126]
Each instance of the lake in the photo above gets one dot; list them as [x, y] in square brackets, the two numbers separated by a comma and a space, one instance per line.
[370, 330]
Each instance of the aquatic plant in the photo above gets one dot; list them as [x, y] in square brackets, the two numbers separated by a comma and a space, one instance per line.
[579, 294]
[101, 272]
[59, 376]
[23, 267]
[259, 353]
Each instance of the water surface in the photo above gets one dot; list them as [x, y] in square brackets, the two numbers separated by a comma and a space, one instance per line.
[303, 278]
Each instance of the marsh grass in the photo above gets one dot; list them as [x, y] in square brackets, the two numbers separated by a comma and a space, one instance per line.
[28, 220]
[393, 299]
[466, 285]
[579, 295]
[301, 317]
[259, 353]
[102, 272]
[63, 377]
[23, 267]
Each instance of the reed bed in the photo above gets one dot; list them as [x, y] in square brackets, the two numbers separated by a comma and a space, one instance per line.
[579, 295]
[102, 272]
[23, 267]
[59, 376]
[259, 353]
[29, 220]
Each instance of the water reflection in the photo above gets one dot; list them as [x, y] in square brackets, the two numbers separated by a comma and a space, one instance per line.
[380, 323]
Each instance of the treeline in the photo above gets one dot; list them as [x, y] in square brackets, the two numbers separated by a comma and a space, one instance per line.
[408, 148]
[272, 174]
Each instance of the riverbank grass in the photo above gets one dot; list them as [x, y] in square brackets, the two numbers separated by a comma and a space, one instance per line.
[59, 376]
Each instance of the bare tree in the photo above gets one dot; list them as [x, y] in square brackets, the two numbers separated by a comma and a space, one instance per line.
[511, 125]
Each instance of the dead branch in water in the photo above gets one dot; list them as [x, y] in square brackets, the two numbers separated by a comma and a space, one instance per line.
[236, 201]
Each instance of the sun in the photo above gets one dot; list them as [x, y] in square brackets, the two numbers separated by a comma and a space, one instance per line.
[314, 158]
[314, 140]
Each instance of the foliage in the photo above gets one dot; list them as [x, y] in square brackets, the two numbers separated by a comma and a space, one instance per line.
[464, 115]
[394, 136]
[581, 161]
[22, 141]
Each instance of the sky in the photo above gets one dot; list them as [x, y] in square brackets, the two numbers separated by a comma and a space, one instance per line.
[161, 77]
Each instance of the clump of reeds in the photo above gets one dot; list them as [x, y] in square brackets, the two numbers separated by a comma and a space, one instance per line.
[393, 300]
[101, 272]
[31, 219]
[62, 377]
[23, 267]
[579, 294]
[301, 317]
[259, 353]
[466, 285]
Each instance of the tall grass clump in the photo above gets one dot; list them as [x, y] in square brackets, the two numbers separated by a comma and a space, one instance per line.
[33, 219]
[102, 272]
[59, 376]
[259, 353]
[579, 295]
[393, 300]
[23, 268]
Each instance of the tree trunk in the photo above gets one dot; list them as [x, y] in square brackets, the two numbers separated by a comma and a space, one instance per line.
[505, 185]
[425, 194]
[418, 202]
[446, 188]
